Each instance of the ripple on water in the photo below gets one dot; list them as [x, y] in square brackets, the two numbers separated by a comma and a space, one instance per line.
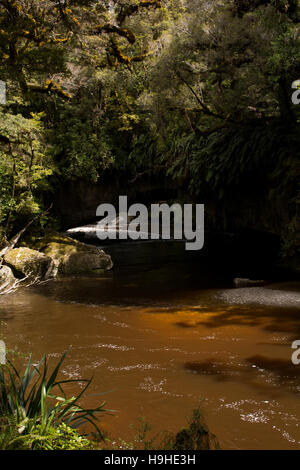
[149, 385]
[115, 347]
[255, 417]
[98, 363]
[260, 295]
[263, 412]
[136, 367]
[72, 371]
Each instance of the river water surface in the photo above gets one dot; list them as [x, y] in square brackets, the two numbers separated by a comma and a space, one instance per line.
[165, 332]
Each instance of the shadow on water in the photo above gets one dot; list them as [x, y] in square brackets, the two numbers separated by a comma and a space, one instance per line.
[213, 314]
[258, 371]
[249, 253]
[270, 319]
[157, 271]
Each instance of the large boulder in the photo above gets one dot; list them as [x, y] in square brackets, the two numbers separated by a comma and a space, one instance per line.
[7, 279]
[73, 257]
[31, 263]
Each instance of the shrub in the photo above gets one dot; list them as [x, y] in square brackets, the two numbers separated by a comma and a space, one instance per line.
[32, 416]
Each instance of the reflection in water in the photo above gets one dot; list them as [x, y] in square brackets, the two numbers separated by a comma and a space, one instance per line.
[161, 335]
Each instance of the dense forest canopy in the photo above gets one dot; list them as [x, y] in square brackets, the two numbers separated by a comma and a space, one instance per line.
[195, 90]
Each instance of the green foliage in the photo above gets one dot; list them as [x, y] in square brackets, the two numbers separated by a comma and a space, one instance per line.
[60, 437]
[141, 440]
[82, 149]
[66, 68]
[194, 90]
[144, 156]
[195, 436]
[30, 400]
[236, 156]
[25, 167]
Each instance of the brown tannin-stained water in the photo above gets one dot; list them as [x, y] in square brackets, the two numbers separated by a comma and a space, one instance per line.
[164, 333]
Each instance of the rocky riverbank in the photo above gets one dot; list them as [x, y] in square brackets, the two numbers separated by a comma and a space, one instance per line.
[50, 256]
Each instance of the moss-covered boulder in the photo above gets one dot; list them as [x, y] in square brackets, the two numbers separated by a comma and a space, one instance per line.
[71, 256]
[7, 279]
[31, 263]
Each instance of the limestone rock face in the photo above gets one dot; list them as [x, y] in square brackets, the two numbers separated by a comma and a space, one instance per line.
[27, 262]
[72, 257]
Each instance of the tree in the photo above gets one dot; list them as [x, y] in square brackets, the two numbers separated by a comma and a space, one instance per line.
[24, 169]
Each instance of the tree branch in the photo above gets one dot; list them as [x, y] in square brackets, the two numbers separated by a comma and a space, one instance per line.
[205, 109]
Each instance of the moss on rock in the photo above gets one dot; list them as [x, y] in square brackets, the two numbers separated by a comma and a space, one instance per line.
[71, 256]
[27, 262]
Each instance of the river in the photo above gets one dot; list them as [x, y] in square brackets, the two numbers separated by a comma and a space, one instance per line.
[165, 332]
